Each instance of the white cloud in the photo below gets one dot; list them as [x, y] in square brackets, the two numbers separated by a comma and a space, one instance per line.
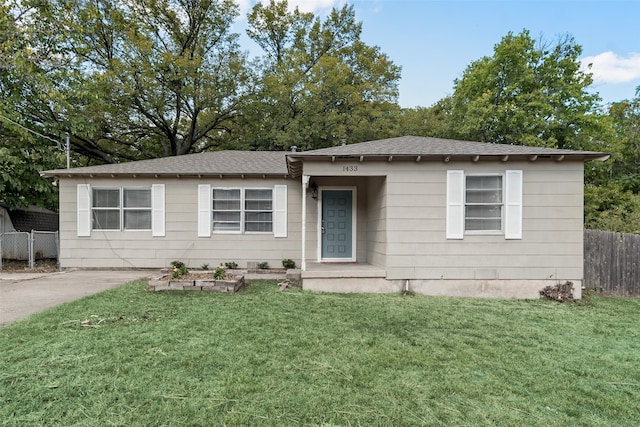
[608, 67]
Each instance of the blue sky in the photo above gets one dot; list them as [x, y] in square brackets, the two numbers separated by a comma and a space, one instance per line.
[434, 40]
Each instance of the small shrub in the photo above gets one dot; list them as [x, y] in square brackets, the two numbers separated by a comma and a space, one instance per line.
[231, 265]
[562, 292]
[219, 273]
[204, 267]
[288, 263]
[263, 265]
[179, 269]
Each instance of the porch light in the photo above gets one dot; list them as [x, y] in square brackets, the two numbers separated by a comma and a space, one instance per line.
[314, 190]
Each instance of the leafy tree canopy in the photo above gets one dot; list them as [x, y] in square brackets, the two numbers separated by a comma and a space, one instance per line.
[527, 93]
[319, 83]
[26, 60]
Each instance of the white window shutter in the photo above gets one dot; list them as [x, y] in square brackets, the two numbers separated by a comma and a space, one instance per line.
[157, 210]
[280, 211]
[204, 210]
[84, 210]
[455, 204]
[513, 205]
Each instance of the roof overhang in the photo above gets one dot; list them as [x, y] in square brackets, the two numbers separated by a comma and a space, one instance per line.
[62, 173]
[295, 161]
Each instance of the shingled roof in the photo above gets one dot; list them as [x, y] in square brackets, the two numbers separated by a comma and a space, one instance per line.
[412, 146]
[214, 163]
[283, 163]
[34, 219]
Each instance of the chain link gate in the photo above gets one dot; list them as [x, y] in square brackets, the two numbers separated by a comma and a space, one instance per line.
[24, 246]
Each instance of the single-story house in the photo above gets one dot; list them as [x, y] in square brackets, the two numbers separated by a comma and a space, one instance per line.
[428, 215]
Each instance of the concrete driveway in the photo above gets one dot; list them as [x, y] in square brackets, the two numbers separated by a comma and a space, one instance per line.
[22, 294]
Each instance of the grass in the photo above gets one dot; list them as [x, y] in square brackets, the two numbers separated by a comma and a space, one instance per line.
[128, 357]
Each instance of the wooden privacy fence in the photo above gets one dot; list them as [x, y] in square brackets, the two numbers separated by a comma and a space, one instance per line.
[612, 262]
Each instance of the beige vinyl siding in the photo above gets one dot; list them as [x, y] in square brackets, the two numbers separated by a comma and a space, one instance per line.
[551, 244]
[140, 249]
[411, 233]
[377, 221]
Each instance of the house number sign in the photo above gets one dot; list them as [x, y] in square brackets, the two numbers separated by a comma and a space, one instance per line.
[350, 168]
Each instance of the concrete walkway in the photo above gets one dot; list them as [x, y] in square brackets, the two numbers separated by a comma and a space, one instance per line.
[22, 294]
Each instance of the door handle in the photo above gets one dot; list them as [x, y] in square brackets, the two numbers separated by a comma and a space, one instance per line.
[322, 230]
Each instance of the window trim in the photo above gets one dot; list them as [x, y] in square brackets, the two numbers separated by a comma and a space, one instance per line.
[93, 208]
[513, 201]
[502, 204]
[242, 211]
[121, 208]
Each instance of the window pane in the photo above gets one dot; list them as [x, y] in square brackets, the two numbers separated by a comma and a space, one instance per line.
[106, 198]
[258, 226]
[137, 219]
[106, 219]
[226, 209]
[487, 211]
[483, 224]
[226, 216]
[257, 205]
[226, 194]
[226, 226]
[137, 198]
[257, 194]
[484, 196]
[483, 203]
[226, 205]
[257, 216]
[484, 182]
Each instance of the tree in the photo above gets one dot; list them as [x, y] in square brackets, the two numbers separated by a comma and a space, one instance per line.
[625, 117]
[527, 93]
[142, 78]
[321, 83]
[27, 58]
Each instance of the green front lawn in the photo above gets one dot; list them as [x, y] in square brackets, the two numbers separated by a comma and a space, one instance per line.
[130, 357]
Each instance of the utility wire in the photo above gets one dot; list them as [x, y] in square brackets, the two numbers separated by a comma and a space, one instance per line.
[58, 144]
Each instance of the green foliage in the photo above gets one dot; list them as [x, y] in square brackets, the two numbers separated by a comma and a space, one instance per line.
[140, 79]
[231, 265]
[204, 267]
[199, 358]
[219, 273]
[179, 269]
[322, 83]
[288, 263]
[527, 93]
[28, 73]
[625, 119]
[263, 265]
[610, 207]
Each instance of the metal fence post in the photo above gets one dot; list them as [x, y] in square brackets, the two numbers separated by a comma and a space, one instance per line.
[58, 249]
[31, 254]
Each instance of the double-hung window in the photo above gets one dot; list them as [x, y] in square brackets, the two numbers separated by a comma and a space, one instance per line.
[136, 208]
[227, 215]
[258, 210]
[238, 210]
[483, 203]
[121, 209]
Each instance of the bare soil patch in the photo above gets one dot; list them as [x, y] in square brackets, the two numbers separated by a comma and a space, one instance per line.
[41, 266]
